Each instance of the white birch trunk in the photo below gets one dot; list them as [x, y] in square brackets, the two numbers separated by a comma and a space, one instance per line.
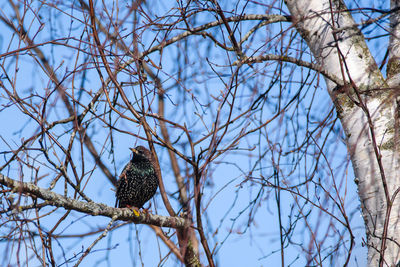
[340, 50]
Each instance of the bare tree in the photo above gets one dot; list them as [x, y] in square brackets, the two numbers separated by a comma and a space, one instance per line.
[256, 113]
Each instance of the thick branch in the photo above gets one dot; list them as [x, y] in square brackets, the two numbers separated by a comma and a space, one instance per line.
[93, 208]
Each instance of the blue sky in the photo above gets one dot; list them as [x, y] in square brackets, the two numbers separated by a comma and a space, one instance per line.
[241, 214]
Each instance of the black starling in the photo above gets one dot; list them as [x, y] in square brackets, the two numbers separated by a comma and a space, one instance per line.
[138, 181]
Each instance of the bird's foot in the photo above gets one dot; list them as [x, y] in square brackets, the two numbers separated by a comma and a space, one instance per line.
[134, 209]
[146, 210]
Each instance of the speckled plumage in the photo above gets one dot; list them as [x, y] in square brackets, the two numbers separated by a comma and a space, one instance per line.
[138, 181]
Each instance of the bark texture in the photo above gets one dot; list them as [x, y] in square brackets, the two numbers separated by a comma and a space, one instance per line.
[368, 111]
[92, 208]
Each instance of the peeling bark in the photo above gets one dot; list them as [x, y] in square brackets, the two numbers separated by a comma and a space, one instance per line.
[367, 109]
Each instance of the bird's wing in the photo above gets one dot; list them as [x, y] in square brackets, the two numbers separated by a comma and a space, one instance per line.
[116, 202]
[122, 178]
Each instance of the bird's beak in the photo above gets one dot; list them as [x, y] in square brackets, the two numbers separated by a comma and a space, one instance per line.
[134, 150]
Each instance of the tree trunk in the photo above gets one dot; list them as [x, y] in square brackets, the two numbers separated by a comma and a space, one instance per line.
[369, 113]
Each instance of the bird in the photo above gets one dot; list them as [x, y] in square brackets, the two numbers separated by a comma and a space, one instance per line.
[138, 181]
